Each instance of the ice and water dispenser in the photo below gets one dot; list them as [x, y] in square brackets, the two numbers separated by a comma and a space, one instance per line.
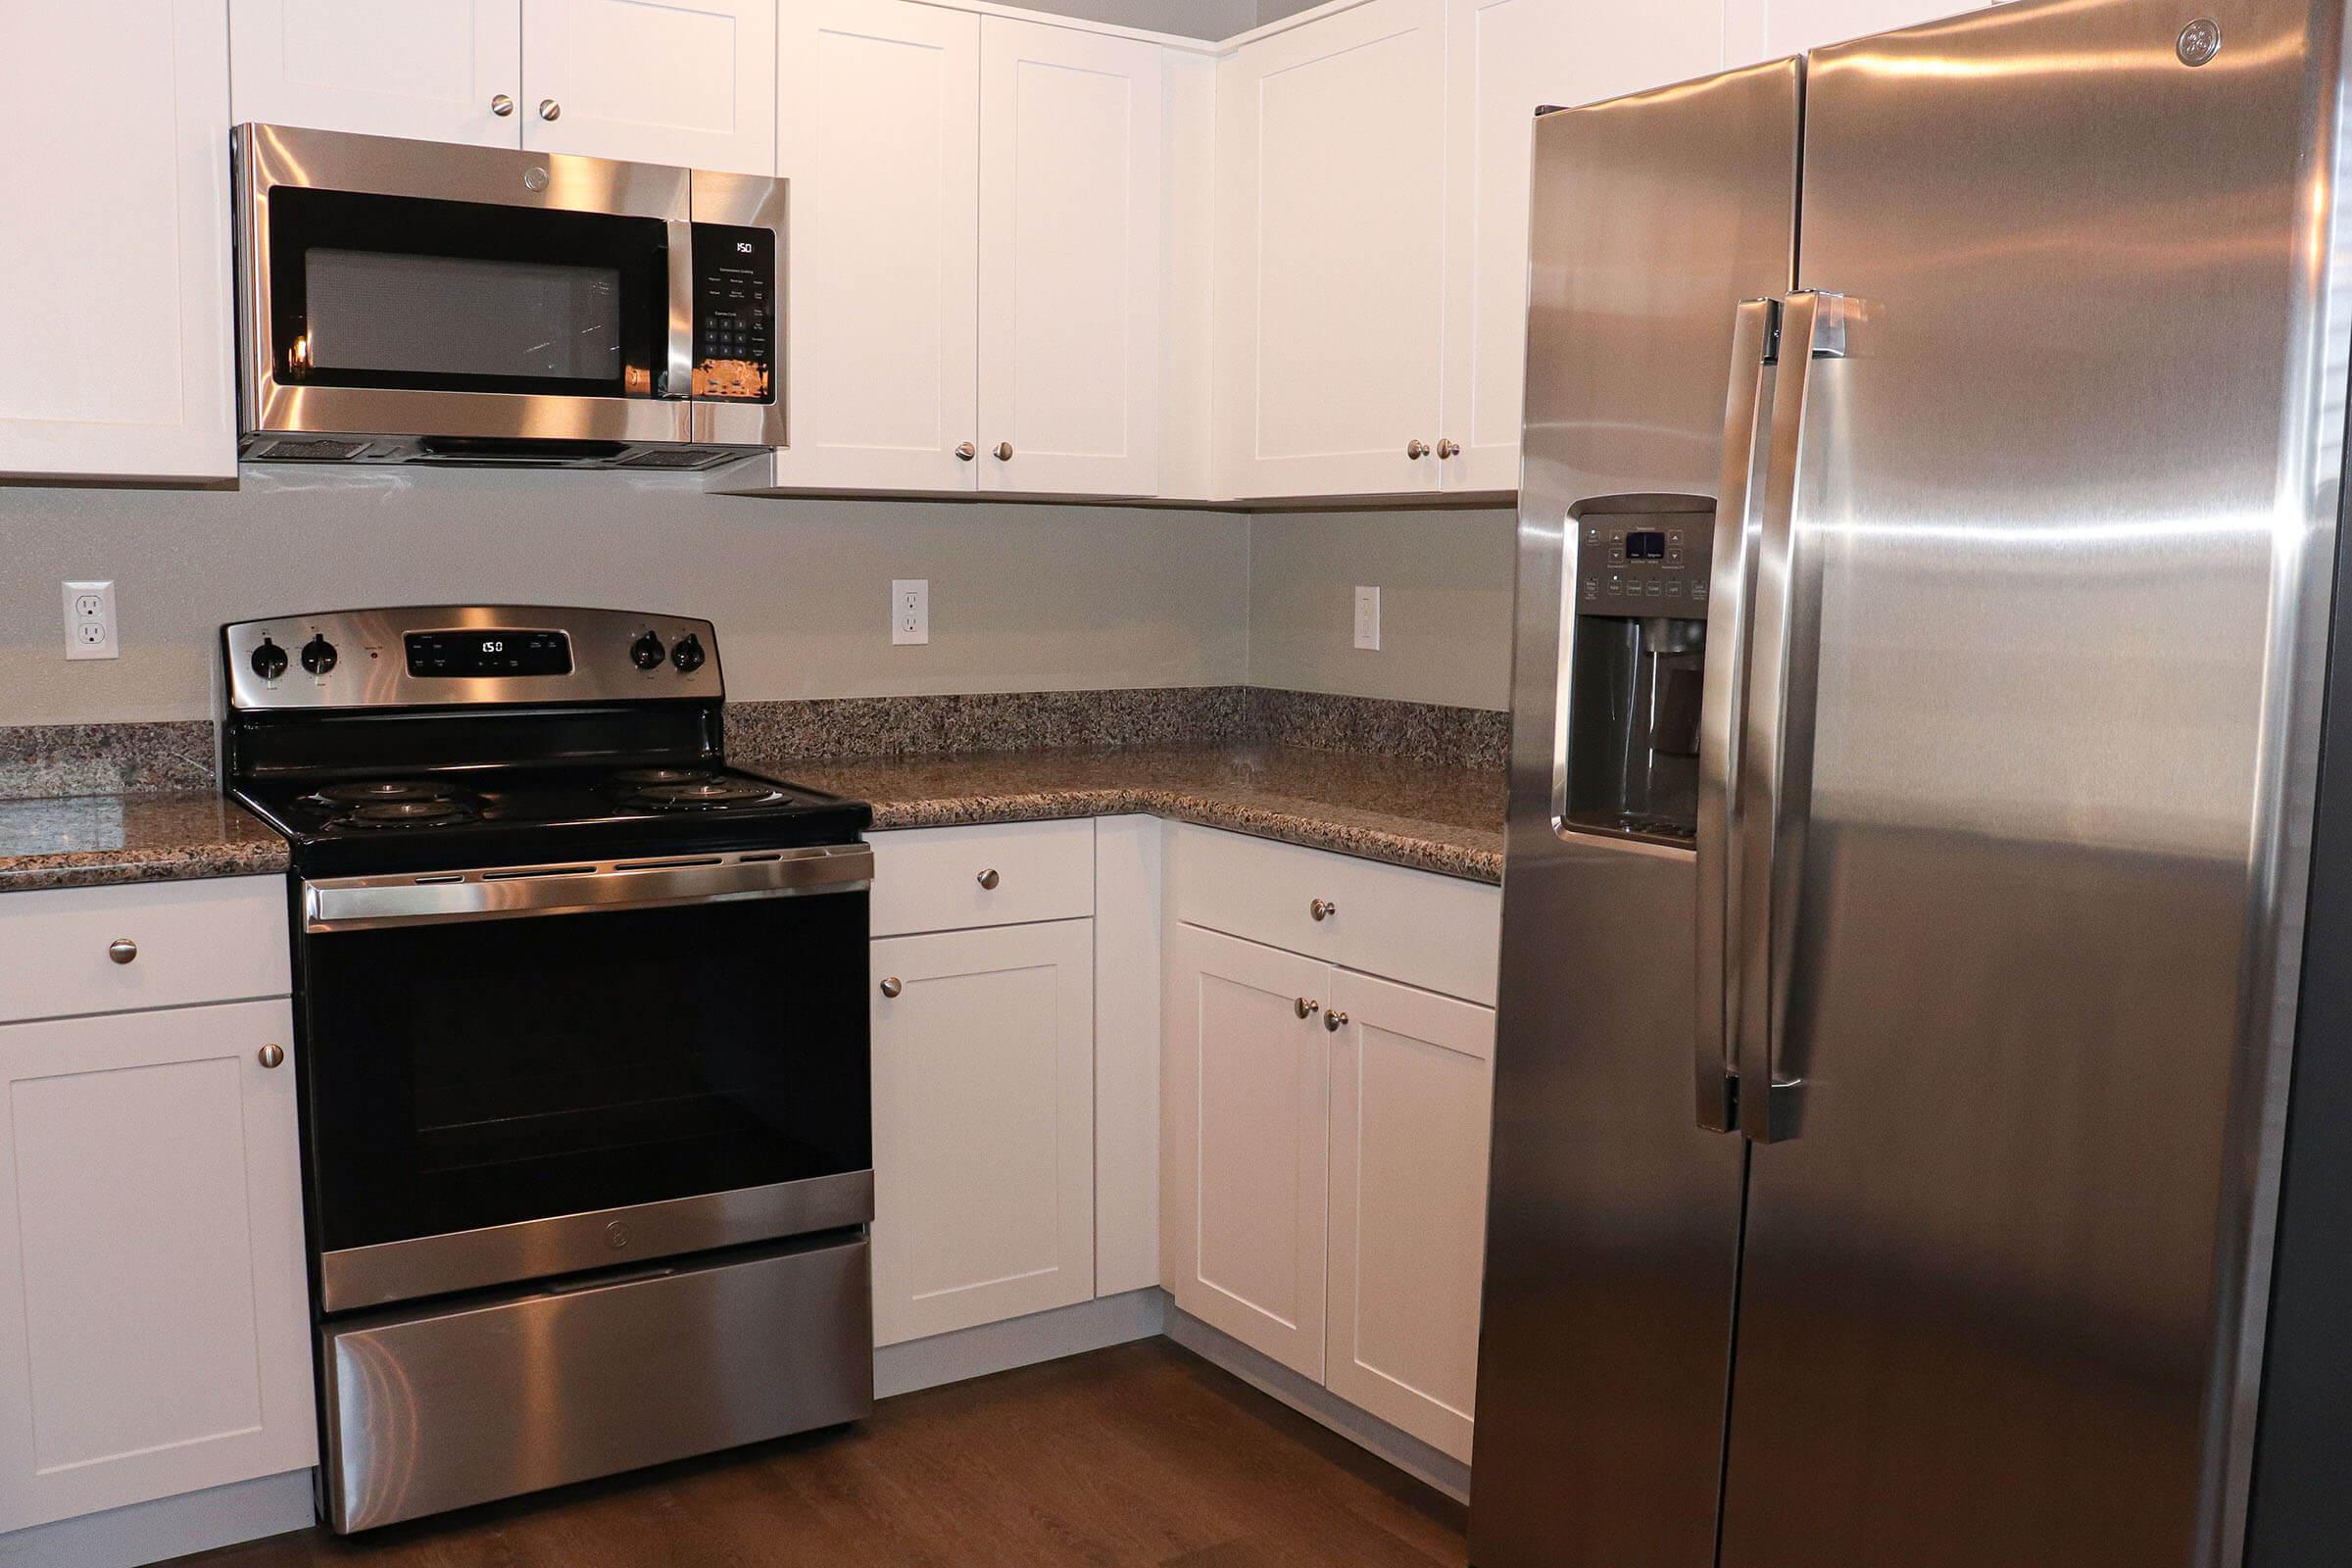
[1635, 670]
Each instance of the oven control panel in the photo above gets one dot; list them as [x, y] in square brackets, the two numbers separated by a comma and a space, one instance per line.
[440, 655]
[734, 313]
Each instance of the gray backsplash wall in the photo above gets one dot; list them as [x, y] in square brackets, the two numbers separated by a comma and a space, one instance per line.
[1023, 597]
[1445, 604]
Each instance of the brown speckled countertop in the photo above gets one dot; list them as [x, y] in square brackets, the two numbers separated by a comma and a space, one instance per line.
[1432, 819]
[76, 841]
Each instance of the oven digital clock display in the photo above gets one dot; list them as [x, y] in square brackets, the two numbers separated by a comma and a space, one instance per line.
[488, 654]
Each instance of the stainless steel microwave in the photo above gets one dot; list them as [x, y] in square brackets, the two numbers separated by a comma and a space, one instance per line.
[414, 302]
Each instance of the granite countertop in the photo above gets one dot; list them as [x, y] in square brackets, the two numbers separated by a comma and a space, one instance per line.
[1432, 819]
[76, 841]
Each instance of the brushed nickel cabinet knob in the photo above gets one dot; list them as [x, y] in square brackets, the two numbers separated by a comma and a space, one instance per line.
[1003, 452]
[1448, 449]
[966, 451]
[272, 1055]
[1322, 909]
[121, 949]
[1306, 1007]
[501, 106]
[989, 879]
[1416, 449]
[548, 109]
[1335, 1020]
[891, 986]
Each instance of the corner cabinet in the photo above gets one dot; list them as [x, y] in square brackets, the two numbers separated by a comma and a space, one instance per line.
[114, 316]
[691, 82]
[154, 1308]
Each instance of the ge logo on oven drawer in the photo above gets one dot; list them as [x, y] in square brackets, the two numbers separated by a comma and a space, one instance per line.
[616, 1236]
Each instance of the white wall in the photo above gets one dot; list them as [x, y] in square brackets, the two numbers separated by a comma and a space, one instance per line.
[1022, 598]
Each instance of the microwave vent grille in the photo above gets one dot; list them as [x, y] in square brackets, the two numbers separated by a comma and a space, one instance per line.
[311, 449]
[672, 458]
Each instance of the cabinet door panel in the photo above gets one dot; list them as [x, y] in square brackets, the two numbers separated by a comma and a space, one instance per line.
[1333, 176]
[1765, 30]
[691, 82]
[1503, 58]
[879, 133]
[154, 1326]
[1246, 1104]
[1411, 1102]
[983, 1127]
[423, 69]
[1069, 260]
[118, 203]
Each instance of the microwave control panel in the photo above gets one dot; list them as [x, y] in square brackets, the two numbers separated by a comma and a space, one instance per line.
[734, 313]
[1644, 563]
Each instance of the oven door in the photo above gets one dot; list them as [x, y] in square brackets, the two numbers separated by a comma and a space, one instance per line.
[525, 1072]
[471, 296]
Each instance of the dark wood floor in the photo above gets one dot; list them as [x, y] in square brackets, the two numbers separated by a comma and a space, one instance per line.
[1141, 1456]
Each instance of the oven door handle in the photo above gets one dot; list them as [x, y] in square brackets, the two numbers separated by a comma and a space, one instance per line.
[512, 891]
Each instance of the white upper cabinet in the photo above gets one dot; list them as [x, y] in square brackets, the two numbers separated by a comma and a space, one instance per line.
[879, 134]
[691, 82]
[1332, 234]
[117, 211]
[1765, 30]
[432, 69]
[1070, 197]
[1505, 58]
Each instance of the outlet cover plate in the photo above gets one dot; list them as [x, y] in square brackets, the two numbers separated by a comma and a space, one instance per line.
[911, 611]
[1367, 618]
[90, 620]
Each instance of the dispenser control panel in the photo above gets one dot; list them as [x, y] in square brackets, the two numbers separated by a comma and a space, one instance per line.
[1644, 563]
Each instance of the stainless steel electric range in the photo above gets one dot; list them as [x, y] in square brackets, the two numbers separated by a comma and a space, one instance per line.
[586, 1126]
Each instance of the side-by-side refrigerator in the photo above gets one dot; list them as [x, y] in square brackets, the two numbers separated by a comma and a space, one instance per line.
[1926, 548]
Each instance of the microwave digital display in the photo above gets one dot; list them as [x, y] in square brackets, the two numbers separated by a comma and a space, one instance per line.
[488, 654]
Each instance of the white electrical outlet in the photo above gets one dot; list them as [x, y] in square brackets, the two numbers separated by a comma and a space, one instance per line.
[90, 620]
[910, 609]
[1367, 618]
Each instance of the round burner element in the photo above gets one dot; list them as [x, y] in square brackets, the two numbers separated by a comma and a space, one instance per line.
[702, 794]
[428, 813]
[638, 778]
[379, 790]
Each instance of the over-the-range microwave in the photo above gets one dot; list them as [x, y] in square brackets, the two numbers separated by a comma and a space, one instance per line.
[413, 302]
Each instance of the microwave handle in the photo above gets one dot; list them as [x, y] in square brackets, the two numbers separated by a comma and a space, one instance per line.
[677, 375]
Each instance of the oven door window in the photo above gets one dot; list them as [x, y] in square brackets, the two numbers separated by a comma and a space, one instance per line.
[486, 1073]
[400, 292]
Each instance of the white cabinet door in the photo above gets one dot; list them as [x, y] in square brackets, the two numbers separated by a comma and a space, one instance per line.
[1330, 292]
[154, 1326]
[1765, 30]
[1070, 127]
[879, 133]
[114, 276]
[430, 69]
[984, 1160]
[1244, 1103]
[1503, 58]
[1411, 1096]
[691, 82]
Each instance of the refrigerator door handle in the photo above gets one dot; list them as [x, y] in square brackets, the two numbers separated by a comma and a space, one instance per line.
[1776, 762]
[1755, 332]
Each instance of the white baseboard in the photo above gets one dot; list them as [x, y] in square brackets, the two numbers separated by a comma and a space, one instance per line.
[168, 1527]
[1023, 1341]
[1403, 1449]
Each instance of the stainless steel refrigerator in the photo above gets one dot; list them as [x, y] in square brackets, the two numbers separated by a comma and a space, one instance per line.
[1926, 548]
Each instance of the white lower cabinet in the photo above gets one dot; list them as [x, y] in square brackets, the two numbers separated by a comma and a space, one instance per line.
[1411, 1098]
[983, 1051]
[154, 1326]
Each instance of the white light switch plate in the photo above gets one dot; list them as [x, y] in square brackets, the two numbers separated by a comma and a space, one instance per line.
[90, 620]
[1367, 618]
[910, 609]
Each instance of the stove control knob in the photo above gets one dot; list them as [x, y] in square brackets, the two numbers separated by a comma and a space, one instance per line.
[268, 661]
[646, 652]
[317, 656]
[688, 655]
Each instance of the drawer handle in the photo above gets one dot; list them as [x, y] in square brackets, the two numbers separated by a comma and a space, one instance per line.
[989, 879]
[272, 1055]
[1307, 1007]
[1335, 1020]
[891, 986]
[121, 949]
[1322, 909]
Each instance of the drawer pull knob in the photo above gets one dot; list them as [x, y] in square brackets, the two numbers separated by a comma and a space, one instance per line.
[989, 879]
[891, 986]
[548, 109]
[1322, 909]
[1307, 1007]
[272, 1055]
[121, 949]
[1335, 1020]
